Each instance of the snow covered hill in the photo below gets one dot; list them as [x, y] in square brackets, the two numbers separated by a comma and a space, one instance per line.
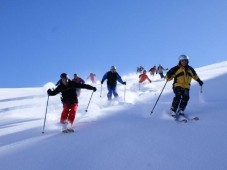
[119, 135]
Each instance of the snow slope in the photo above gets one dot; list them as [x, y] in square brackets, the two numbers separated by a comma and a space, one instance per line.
[118, 135]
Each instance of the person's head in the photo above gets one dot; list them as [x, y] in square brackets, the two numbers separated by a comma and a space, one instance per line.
[64, 78]
[113, 69]
[144, 71]
[183, 60]
[75, 75]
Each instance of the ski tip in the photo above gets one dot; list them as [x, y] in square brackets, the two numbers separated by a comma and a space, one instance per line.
[196, 118]
[184, 121]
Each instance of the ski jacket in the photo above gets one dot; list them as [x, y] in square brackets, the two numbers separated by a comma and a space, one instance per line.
[182, 76]
[78, 80]
[152, 70]
[143, 77]
[68, 92]
[159, 70]
[92, 76]
[112, 78]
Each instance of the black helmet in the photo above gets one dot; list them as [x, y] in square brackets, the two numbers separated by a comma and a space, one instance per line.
[64, 75]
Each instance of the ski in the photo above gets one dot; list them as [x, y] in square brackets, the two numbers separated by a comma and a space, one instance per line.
[68, 130]
[178, 119]
[193, 118]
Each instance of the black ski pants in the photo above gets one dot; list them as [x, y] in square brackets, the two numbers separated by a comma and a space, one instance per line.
[181, 98]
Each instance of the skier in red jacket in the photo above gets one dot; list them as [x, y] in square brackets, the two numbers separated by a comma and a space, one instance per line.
[143, 77]
[92, 77]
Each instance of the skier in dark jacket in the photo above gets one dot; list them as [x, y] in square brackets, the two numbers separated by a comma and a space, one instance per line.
[159, 71]
[182, 75]
[69, 99]
[112, 77]
[79, 80]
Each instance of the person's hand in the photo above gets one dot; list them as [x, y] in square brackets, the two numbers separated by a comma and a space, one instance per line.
[168, 77]
[94, 89]
[124, 83]
[200, 82]
[48, 91]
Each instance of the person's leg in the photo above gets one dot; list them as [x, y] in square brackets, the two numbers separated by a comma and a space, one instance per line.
[65, 112]
[184, 100]
[115, 92]
[176, 99]
[72, 113]
[110, 91]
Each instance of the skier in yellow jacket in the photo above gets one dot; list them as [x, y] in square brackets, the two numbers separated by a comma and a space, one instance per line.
[182, 75]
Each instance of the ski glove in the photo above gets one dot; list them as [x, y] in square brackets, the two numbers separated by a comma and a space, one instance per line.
[94, 89]
[200, 82]
[48, 91]
[124, 83]
[168, 77]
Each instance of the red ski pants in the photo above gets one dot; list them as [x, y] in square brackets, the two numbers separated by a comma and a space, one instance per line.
[69, 112]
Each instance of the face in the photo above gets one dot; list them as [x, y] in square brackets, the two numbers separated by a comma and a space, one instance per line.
[64, 81]
[113, 70]
[184, 62]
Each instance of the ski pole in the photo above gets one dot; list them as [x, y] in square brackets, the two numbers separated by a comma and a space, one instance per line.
[124, 92]
[158, 98]
[101, 91]
[201, 89]
[44, 123]
[89, 101]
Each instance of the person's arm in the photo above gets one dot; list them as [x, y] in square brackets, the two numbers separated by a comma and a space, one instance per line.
[196, 77]
[170, 74]
[120, 80]
[84, 86]
[54, 92]
[104, 78]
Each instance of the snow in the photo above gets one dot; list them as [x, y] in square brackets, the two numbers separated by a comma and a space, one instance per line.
[117, 135]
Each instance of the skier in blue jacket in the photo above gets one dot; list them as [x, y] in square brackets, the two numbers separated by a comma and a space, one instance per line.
[112, 77]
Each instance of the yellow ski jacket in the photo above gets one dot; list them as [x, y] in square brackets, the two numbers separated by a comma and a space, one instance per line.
[182, 76]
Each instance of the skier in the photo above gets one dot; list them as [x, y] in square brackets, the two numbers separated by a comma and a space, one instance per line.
[92, 77]
[160, 71]
[69, 99]
[182, 75]
[143, 77]
[139, 69]
[152, 71]
[112, 77]
[80, 81]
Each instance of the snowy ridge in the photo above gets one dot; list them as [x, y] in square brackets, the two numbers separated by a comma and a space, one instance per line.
[117, 135]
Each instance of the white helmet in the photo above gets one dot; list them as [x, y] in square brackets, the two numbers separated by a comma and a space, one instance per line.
[183, 57]
[113, 68]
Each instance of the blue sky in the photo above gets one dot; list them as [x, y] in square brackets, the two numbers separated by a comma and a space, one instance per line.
[41, 39]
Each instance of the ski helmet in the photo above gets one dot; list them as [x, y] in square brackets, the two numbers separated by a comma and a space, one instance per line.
[64, 75]
[183, 57]
[113, 68]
